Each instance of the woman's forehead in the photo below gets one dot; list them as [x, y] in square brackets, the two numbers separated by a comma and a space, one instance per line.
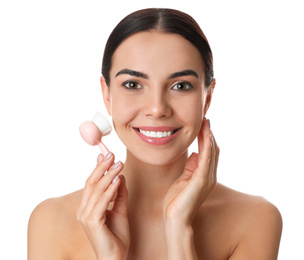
[156, 51]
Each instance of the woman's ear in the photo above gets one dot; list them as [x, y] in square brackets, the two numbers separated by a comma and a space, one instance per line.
[209, 93]
[106, 95]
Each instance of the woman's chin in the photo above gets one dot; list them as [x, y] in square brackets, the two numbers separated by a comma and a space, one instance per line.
[158, 158]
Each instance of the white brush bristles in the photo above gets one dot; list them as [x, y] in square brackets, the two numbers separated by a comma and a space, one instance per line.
[102, 124]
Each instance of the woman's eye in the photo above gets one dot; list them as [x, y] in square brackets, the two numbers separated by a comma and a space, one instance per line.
[132, 85]
[182, 86]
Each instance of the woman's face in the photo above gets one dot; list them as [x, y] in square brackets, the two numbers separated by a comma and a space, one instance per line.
[156, 95]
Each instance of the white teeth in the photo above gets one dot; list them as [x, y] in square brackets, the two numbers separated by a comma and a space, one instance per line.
[155, 134]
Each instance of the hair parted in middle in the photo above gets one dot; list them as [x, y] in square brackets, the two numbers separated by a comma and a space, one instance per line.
[159, 20]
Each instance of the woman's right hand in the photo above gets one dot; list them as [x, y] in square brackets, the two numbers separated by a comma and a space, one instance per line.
[107, 229]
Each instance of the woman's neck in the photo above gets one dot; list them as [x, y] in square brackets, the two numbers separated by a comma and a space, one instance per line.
[148, 184]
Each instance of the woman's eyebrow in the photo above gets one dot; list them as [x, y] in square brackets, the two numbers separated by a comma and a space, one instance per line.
[132, 73]
[183, 73]
[145, 76]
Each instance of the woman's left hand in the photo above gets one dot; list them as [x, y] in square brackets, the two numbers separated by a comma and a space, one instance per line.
[191, 189]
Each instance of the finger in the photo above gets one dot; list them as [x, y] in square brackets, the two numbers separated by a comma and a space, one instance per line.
[99, 158]
[216, 158]
[103, 185]
[204, 131]
[205, 153]
[191, 163]
[190, 166]
[102, 166]
[100, 208]
[202, 178]
[121, 201]
[96, 175]
[114, 197]
[201, 174]
[212, 174]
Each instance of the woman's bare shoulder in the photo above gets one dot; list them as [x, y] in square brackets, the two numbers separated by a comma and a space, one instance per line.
[251, 223]
[51, 223]
[248, 210]
[57, 208]
[233, 199]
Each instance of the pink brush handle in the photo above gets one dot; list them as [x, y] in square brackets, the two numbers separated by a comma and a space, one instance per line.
[103, 148]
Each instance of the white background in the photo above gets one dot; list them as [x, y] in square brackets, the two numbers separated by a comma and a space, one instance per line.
[50, 57]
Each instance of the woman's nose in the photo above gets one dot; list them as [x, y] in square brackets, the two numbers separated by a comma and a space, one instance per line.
[157, 105]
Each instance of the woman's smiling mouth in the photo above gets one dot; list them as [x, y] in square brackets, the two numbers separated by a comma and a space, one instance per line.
[157, 135]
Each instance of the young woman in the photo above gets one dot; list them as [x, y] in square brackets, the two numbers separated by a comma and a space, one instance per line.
[157, 85]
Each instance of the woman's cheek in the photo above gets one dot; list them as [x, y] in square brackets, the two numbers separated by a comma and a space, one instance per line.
[123, 110]
[192, 114]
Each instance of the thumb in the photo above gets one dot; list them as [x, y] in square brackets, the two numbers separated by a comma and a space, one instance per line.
[190, 166]
[191, 163]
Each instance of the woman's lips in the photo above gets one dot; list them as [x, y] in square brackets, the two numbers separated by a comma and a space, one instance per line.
[157, 128]
[157, 135]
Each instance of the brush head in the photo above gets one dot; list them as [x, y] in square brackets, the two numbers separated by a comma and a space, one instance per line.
[102, 123]
[92, 131]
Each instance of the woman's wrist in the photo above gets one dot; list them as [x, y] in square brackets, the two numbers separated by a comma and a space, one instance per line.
[113, 257]
[179, 240]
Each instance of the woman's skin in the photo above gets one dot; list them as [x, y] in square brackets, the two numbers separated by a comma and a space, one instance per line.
[163, 204]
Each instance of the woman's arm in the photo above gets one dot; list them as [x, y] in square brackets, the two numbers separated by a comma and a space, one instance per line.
[180, 244]
[187, 194]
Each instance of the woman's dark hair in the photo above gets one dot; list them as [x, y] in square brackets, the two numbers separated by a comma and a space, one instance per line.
[161, 20]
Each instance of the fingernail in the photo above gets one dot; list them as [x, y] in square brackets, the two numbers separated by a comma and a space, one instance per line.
[115, 179]
[108, 156]
[115, 165]
[211, 137]
[209, 123]
[98, 158]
